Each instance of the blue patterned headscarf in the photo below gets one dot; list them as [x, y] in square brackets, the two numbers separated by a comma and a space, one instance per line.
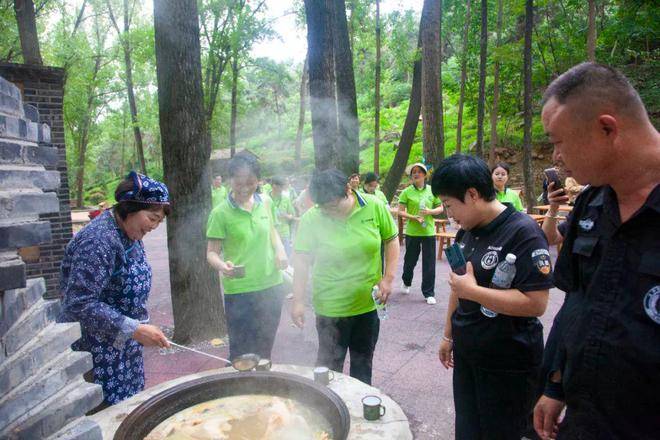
[145, 190]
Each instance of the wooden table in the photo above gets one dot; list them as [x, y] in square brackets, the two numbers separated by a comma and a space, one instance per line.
[444, 239]
[538, 218]
[542, 209]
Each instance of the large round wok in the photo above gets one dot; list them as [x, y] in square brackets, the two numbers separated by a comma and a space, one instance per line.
[143, 419]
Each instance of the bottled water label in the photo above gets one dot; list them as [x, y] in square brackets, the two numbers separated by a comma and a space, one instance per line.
[503, 277]
[422, 205]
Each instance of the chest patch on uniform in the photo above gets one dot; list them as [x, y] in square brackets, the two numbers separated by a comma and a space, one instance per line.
[490, 260]
[541, 260]
[586, 224]
[652, 304]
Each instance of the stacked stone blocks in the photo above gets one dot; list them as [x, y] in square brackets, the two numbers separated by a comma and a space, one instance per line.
[42, 93]
[42, 391]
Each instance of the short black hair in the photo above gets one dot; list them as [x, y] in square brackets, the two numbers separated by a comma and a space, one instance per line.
[503, 165]
[277, 180]
[327, 186]
[370, 177]
[243, 161]
[594, 84]
[125, 207]
[460, 172]
[353, 175]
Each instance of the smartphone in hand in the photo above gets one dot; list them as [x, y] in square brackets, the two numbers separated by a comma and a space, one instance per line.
[456, 258]
[552, 175]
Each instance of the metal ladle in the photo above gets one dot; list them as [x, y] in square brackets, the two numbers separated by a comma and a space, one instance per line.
[244, 362]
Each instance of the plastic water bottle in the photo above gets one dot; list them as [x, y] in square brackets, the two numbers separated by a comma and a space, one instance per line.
[502, 279]
[381, 308]
[422, 205]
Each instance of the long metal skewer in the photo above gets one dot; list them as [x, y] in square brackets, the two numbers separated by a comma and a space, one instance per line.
[199, 352]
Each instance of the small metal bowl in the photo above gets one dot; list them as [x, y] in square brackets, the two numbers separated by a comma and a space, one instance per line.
[246, 362]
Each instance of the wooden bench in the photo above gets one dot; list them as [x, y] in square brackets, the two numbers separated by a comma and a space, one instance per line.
[444, 239]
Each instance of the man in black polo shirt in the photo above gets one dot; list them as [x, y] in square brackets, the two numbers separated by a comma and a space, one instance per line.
[606, 364]
[492, 337]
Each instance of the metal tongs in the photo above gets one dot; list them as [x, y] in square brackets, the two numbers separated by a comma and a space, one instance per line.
[244, 362]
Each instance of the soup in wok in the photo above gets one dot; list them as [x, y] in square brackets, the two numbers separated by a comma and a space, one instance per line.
[245, 417]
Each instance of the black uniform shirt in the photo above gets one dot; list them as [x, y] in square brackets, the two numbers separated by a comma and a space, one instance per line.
[609, 347]
[503, 341]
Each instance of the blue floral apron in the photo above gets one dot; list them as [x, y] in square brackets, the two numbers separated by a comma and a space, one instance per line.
[102, 258]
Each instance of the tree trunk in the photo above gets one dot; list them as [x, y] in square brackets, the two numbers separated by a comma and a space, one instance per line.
[377, 95]
[196, 302]
[527, 136]
[461, 98]
[430, 24]
[124, 38]
[591, 32]
[348, 127]
[323, 101]
[409, 129]
[234, 95]
[301, 115]
[27, 30]
[84, 134]
[483, 59]
[496, 89]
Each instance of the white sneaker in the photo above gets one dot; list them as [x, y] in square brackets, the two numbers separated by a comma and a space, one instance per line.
[405, 289]
[430, 300]
[289, 296]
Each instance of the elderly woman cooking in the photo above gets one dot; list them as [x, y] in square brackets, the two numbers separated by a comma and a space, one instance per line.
[105, 282]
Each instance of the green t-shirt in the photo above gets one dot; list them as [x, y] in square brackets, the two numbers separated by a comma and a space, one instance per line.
[246, 241]
[282, 204]
[413, 197]
[510, 196]
[379, 195]
[218, 195]
[346, 255]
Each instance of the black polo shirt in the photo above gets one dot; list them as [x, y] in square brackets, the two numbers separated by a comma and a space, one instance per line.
[609, 325]
[503, 341]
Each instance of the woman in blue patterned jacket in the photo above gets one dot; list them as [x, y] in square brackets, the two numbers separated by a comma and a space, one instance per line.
[105, 284]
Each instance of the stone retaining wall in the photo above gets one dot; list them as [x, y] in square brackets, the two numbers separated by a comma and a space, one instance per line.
[42, 391]
[42, 91]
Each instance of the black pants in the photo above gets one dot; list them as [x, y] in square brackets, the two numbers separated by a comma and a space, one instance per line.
[492, 403]
[413, 245]
[358, 334]
[252, 321]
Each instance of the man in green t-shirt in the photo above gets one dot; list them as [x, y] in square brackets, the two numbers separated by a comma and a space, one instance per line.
[339, 239]
[418, 205]
[370, 186]
[218, 192]
[283, 212]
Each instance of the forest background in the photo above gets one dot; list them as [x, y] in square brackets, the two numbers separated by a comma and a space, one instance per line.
[111, 98]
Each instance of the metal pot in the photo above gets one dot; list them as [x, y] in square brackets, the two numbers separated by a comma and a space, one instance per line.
[143, 419]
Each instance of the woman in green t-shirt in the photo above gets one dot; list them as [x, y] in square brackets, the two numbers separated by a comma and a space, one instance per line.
[418, 205]
[339, 240]
[245, 248]
[500, 175]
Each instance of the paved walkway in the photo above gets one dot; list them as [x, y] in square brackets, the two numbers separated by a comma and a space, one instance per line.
[406, 365]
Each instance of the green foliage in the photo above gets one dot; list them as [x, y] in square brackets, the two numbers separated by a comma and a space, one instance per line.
[268, 91]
